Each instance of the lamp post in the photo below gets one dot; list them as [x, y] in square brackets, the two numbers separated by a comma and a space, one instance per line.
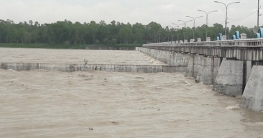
[207, 13]
[172, 34]
[258, 15]
[177, 27]
[184, 25]
[194, 24]
[226, 5]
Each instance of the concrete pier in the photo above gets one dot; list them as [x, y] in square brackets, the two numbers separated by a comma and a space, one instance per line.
[197, 64]
[208, 70]
[253, 94]
[229, 80]
[190, 66]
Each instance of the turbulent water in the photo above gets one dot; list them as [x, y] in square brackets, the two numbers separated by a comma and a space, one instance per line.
[98, 104]
[22, 55]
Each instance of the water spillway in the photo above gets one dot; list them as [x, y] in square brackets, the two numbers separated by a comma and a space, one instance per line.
[91, 67]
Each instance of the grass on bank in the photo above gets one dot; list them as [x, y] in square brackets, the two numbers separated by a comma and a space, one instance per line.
[61, 46]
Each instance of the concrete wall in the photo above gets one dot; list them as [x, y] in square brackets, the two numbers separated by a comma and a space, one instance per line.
[90, 67]
[110, 48]
[169, 57]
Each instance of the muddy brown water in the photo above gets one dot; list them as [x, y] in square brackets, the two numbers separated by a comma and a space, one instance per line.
[97, 104]
[23, 55]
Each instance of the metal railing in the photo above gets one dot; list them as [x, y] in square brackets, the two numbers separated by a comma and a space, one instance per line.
[255, 42]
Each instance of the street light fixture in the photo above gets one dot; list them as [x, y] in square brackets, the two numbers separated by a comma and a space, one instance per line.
[177, 27]
[226, 5]
[184, 25]
[207, 13]
[194, 24]
[184, 22]
[172, 34]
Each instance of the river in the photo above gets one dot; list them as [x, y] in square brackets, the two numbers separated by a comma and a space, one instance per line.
[98, 104]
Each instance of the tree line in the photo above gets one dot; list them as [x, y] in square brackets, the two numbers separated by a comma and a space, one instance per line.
[101, 33]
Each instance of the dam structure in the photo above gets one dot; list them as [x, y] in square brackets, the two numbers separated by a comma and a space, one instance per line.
[233, 67]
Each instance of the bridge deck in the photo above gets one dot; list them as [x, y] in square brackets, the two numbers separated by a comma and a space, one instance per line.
[248, 49]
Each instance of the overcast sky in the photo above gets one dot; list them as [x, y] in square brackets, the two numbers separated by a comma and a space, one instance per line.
[164, 12]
